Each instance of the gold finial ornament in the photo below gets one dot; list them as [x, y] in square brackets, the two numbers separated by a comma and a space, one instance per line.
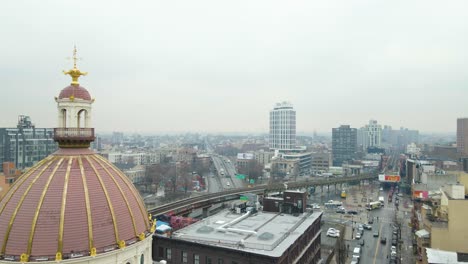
[58, 256]
[24, 257]
[75, 73]
[122, 244]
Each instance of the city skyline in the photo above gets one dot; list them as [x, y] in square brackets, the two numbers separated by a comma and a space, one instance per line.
[219, 67]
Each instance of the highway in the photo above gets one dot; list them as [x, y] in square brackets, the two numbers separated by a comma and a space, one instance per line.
[187, 204]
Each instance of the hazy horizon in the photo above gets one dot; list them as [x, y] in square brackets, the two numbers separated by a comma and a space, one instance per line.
[216, 66]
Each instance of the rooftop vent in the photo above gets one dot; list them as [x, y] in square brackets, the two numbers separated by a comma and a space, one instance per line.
[266, 236]
[205, 229]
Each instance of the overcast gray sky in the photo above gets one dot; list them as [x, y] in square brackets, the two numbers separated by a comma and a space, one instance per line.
[220, 66]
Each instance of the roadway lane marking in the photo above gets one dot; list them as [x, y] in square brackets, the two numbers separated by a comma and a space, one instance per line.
[378, 243]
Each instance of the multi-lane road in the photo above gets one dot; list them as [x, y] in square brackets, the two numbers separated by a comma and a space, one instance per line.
[373, 251]
[219, 182]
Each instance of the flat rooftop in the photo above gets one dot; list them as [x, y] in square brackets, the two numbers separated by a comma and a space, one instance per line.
[262, 233]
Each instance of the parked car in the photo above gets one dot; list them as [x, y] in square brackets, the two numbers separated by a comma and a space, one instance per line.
[353, 212]
[362, 242]
[376, 233]
[394, 242]
[340, 211]
[383, 240]
[361, 227]
[368, 227]
[358, 235]
[355, 260]
[370, 221]
[332, 232]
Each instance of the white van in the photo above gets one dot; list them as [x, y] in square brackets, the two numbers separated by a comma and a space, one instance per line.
[357, 251]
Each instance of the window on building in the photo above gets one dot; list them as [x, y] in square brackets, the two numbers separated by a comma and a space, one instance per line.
[220, 261]
[142, 259]
[196, 259]
[184, 257]
[160, 252]
[168, 253]
[208, 260]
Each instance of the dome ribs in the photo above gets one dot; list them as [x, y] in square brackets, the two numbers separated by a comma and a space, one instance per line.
[129, 185]
[64, 203]
[18, 207]
[38, 209]
[122, 212]
[88, 206]
[109, 202]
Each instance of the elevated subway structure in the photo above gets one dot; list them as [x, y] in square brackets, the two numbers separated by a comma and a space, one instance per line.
[185, 206]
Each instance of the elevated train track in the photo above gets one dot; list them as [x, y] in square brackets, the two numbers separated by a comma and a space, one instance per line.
[187, 205]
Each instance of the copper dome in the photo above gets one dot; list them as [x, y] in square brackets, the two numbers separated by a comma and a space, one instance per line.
[75, 203]
[76, 91]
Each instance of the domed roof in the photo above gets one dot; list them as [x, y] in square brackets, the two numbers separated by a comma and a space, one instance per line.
[76, 91]
[73, 202]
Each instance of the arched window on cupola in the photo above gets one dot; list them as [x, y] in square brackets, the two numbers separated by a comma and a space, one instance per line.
[63, 116]
[82, 116]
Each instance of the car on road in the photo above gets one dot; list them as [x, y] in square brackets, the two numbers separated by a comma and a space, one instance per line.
[353, 212]
[376, 233]
[383, 240]
[370, 221]
[400, 194]
[361, 227]
[332, 232]
[358, 235]
[368, 227]
[357, 251]
[340, 211]
[381, 189]
[394, 242]
[315, 206]
[355, 260]
[362, 242]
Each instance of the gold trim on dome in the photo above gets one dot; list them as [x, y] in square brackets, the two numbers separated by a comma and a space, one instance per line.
[18, 206]
[38, 209]
[88, 208]
[21, 180]
[109, 202]
[64, 204]
[121, 192]
[131, 188]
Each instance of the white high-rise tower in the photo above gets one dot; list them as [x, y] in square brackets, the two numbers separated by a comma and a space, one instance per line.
[283, 127]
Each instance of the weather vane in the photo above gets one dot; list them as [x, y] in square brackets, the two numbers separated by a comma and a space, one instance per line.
[75, 73]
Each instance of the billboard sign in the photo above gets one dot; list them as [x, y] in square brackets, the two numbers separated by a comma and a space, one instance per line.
[247, 156]
[389, 178]
[420, 194]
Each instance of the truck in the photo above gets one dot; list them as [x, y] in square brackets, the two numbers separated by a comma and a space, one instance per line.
[373, 205]
[381, 200]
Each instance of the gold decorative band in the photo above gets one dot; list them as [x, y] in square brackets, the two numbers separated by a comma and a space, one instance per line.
[121, 193]
[109, 202]
[20, 203]
[64, 204]
[88, 208]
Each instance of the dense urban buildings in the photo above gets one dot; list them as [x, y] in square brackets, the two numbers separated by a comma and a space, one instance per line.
[25, 145]
[462, 137]
[282, 127]
[282, 232]
[344, 144]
